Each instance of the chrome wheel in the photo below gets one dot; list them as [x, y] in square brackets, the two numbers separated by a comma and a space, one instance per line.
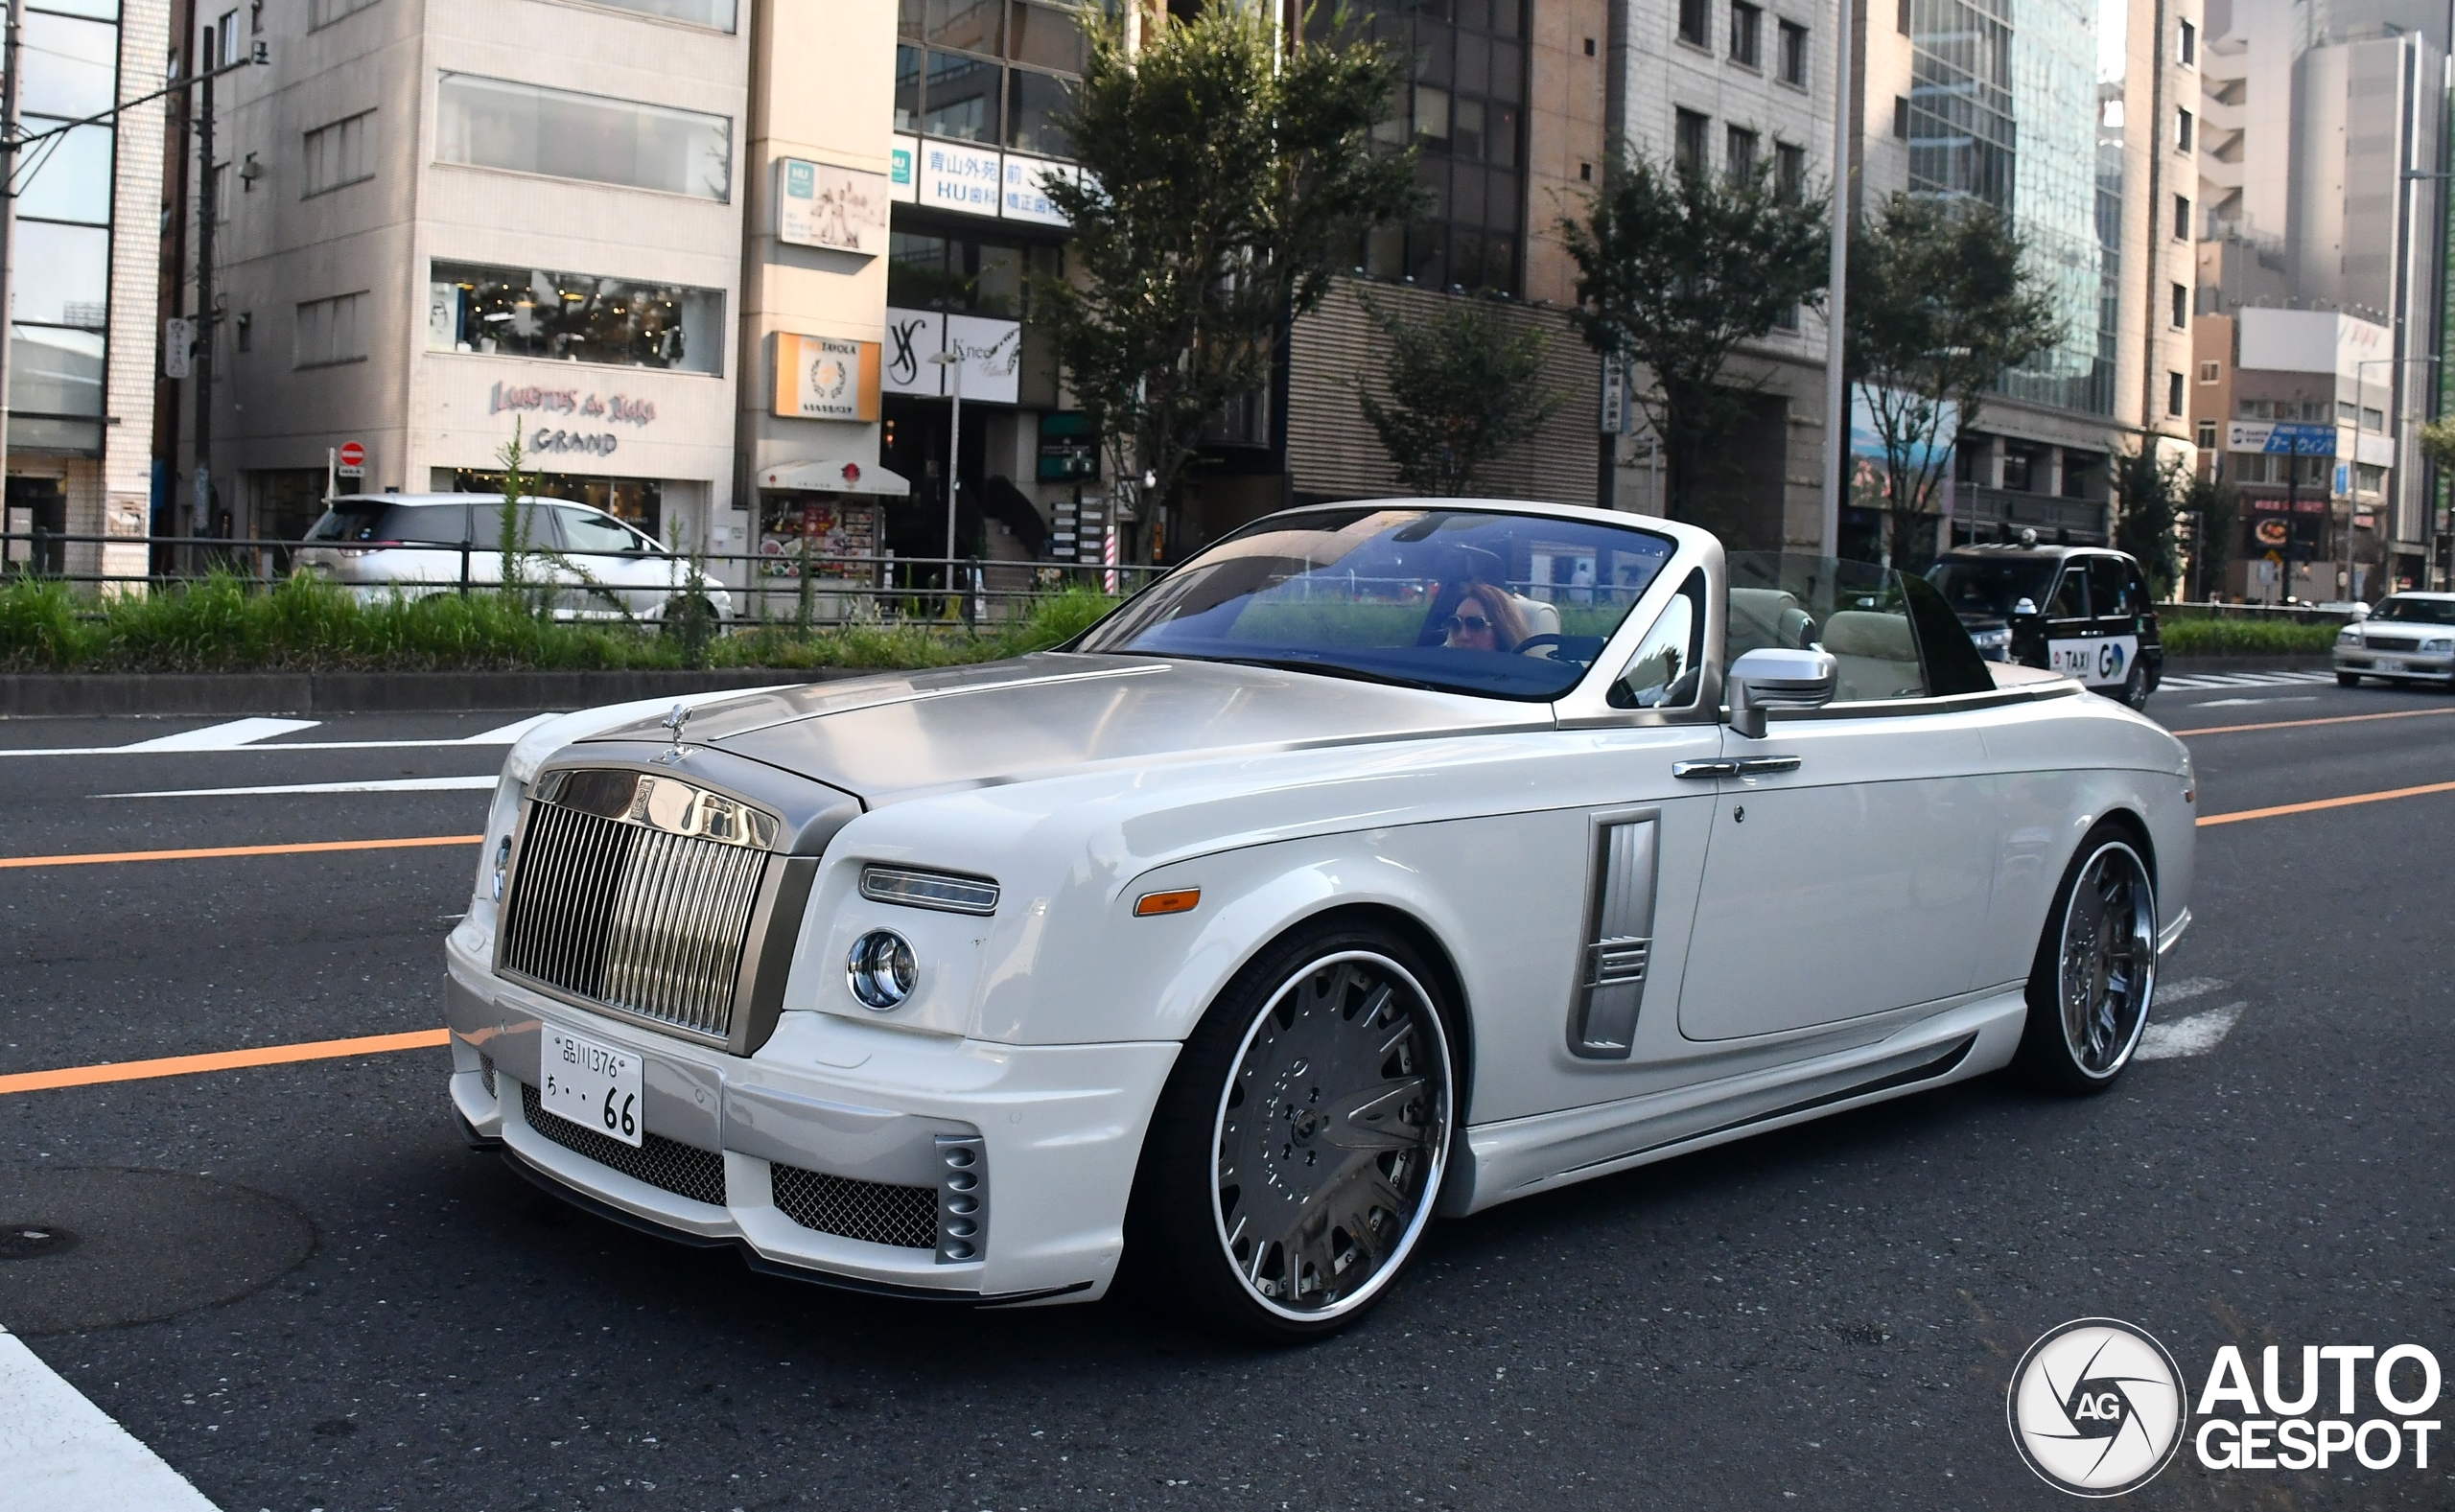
[2108, 961]
[1330, 1136]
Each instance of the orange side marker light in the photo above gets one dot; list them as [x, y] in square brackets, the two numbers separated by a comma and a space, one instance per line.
[1151, 905]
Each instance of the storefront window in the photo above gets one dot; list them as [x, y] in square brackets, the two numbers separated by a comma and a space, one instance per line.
[493, 122]
[573, 317]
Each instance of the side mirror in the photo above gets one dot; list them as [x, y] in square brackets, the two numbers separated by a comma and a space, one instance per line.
[1777, 677]
[2024, 608]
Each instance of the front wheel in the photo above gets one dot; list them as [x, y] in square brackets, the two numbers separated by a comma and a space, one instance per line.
[1295, 1155]
[2135, 688]
[2348, 680]
[2095, 969]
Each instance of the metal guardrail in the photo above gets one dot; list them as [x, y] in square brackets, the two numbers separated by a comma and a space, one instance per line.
[2273, 614]
[810, 590]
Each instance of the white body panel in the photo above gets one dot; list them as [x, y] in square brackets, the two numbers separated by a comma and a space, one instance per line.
[1866, 930]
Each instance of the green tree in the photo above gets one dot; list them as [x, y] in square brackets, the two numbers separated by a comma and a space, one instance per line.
[2213, 506]
[513, 538]
[1676, 267]
[1939, 306]
[1225, 175]
[2147, 491]
[1464, 387]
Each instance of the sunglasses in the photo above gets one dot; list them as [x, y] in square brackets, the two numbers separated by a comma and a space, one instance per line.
[1472, 624]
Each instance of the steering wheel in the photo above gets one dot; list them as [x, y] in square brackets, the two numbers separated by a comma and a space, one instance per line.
[1546, 643]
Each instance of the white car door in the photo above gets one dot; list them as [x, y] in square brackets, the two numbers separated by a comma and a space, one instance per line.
[1851, 853]
[616, 571]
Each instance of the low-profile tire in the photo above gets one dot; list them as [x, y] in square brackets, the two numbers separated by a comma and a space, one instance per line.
[2348, 680]
[1299, 1147]
[2095, 969]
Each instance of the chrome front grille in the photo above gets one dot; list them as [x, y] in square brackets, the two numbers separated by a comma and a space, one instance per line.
[611, 904]
[2391, 642]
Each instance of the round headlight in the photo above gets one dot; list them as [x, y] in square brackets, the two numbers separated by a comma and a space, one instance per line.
[882, 969]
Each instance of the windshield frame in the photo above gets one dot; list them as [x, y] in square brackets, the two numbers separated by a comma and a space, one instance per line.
[1685, 543]
[2380, 614]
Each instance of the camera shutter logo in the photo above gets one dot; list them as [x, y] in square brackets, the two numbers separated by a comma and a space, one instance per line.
[2096, 1407]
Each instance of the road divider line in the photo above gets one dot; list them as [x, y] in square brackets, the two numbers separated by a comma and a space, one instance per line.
[2315, 804]
[62, 1453]
[214, 853]
[221, 1060]
[2302, 724]
[383, 784]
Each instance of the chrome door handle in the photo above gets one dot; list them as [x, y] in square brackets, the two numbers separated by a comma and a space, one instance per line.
[1723, 767]
[1758, 766]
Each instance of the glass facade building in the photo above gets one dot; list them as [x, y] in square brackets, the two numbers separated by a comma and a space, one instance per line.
[1465, 113]
[2003, 108]
[57, 339]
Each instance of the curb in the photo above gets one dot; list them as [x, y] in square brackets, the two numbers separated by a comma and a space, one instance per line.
[27, 695]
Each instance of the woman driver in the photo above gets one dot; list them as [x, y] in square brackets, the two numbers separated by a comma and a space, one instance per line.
[1484, 618]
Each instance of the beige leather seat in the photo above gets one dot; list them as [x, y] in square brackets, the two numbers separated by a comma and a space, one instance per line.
[1875, 655]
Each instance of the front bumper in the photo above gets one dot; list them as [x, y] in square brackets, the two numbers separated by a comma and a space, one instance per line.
[857, 1108]
[2368, 663]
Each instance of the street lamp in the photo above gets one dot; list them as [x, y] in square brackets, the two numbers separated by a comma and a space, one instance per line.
[2361, 403]
[954, 452]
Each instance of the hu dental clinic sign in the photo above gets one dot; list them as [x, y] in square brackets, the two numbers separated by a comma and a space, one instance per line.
[588, 412]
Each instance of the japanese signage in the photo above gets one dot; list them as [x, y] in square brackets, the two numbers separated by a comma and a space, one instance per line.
[954, 177]
[821, 377]
[2280, 440]
[1069, 448]
[1026, 197]
[823, 205]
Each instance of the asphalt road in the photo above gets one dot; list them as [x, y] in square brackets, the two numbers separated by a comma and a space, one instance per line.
[299, 1289]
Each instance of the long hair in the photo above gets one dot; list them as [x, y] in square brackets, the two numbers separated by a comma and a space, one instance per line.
[1500, 607]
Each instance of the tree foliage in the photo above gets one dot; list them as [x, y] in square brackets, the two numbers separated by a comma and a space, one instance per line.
[1939, 306]
[1678, 268]
[1464, 387]
[2147, 491]
[2214, 508]
[1225, 176]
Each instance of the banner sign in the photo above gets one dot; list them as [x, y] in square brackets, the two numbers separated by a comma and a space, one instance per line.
[838, 208]
[821, 377]
[954, 177]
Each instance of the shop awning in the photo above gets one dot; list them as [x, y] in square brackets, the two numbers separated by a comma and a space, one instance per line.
[833, 477]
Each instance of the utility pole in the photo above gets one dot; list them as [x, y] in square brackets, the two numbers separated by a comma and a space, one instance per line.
[7, 211]
[208, 208]
[1837, 397]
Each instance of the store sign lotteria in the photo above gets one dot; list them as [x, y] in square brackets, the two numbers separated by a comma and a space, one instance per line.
[991, 352]
[841, 209]
[581, 406]
[822, 377]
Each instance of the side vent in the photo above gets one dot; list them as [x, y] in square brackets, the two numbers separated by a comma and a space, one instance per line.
[1611, 983]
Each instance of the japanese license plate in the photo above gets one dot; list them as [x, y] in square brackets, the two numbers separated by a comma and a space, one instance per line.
[596, 1087]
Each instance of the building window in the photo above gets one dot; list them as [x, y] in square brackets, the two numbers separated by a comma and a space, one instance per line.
[2173, 393]
[527, 128]
[1688, 145]
[1794, 53]
[330, 331]
[2207, 435]
[573, 317]
[324, 12]
[988, 71]
[2182, 131]
[1790, 172]
[338, 153]
[2371, 479]
[2251, 467]
[2187, 45]
[1739, 154]
[2250, 410]
[1465, 117]
[2374, 420]
[2181, 218]
[2210, 372]
[2181, 305]
[1694, 20]
[1901, 116]
[1746, 35]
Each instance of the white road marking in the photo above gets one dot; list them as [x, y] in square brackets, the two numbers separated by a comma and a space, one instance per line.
[2195, 1036]
[2182, 989]
[2191, 681]
[228, 736]
[501, 735]
[389, 784]
[60, 1453]
[2245, 703]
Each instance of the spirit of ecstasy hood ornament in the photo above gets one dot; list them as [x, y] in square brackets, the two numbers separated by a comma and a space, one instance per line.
[675, 719]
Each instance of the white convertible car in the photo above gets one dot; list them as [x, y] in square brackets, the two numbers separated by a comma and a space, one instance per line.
[1385, 860]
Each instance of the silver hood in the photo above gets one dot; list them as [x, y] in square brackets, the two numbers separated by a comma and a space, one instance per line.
[904, 735]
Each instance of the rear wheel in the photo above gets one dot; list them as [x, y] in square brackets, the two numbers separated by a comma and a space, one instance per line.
[2135, 688]
[1296, 1155]
[2348, 680]
[2095, 969]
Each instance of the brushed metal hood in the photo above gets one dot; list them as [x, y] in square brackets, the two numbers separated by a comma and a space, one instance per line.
[906, 734]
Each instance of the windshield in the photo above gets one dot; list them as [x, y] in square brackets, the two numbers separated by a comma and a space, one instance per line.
[2416, 610]
[1463, 600]
[348, 523]
[1991, 588]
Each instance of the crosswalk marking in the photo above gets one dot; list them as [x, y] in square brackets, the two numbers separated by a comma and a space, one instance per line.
[385, 785]
[2188, 682]
[60, 1453]
[228, 736]
[242, 735]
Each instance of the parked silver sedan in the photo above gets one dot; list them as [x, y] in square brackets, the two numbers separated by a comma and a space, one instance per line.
[2409, 637]
[380, 544]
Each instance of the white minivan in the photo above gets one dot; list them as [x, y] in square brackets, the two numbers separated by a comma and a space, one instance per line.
[377, 545]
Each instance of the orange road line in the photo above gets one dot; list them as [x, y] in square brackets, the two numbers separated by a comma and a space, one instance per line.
[2314, 806]
[220, 1061]
[2299, 724]
[307, 847]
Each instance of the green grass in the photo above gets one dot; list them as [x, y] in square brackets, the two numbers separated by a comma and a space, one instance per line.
[2246, 637]
[299, 625]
